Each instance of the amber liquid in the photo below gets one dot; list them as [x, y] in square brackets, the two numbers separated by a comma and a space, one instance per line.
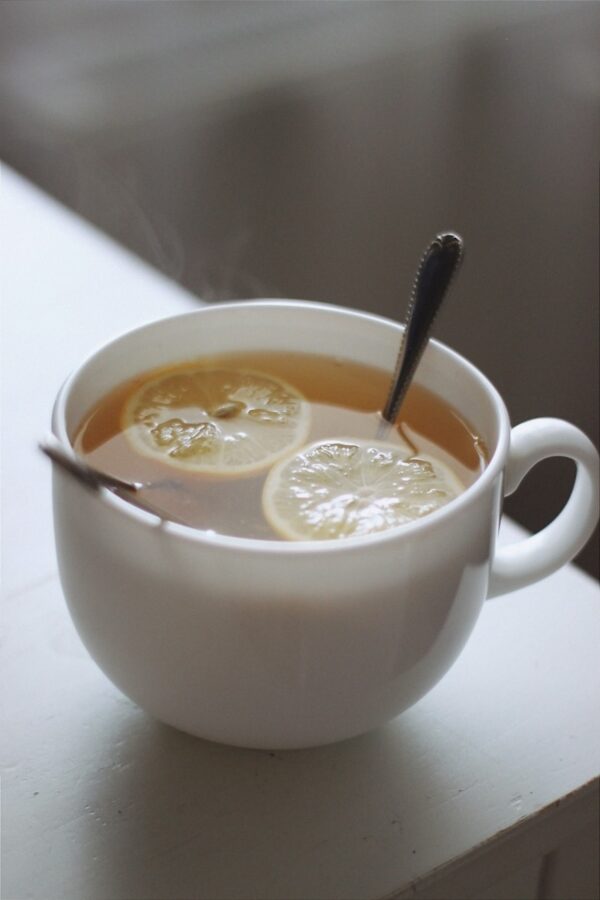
[345, 399]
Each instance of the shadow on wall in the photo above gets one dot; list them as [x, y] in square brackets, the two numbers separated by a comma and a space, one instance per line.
[313, 150]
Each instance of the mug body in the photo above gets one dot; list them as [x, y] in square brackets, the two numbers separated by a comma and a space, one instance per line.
[275, 644]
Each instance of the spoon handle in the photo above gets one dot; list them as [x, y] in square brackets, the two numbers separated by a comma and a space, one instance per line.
[94, 479]
[438, 266]
[89, 476]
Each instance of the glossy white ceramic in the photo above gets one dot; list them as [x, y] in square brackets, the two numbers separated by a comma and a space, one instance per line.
[282, 644]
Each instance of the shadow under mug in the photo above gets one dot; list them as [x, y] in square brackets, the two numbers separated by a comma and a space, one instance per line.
[277, 644]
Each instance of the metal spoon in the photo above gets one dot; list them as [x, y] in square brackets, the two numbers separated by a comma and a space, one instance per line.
[94, 479]
[436, 270]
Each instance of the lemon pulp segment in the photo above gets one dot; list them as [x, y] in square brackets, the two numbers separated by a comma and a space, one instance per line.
[344, 487]
[218, 421]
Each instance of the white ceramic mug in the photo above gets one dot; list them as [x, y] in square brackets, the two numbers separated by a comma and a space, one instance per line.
[293, 644]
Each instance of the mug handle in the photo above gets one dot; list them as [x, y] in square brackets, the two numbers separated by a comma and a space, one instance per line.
[519, 564]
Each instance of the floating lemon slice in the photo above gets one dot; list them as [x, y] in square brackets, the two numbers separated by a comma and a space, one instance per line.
[344, 488]
[219, 421]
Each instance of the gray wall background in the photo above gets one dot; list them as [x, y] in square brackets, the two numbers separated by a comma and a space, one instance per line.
[312, 149]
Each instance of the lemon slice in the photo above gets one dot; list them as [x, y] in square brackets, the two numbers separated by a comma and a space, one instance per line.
[344, 487]
[219, 421]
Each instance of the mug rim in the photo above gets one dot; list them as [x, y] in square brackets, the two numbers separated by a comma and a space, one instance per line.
[264, 546]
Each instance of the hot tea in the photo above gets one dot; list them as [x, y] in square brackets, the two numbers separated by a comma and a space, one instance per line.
[281, 446]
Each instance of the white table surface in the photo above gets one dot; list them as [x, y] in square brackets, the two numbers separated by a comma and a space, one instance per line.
[102, 802]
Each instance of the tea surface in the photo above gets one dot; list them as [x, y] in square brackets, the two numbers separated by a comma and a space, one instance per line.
[343, 400]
